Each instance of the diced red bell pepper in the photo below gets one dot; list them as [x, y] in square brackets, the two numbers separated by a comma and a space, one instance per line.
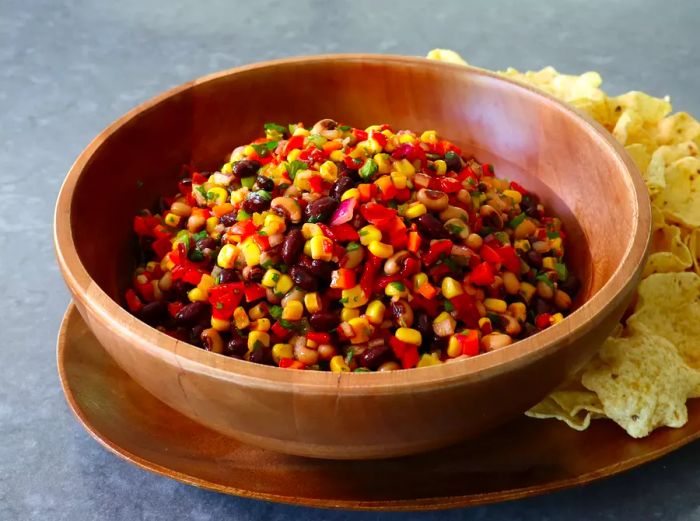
[359, 134]
[429, 306]
[132, 301]
[343, 278]
[439, 271]
[414, 241]
[510, 259]
[469, 342]
[318, 337]
[199, 179]
[162, 246]
[487, 170]
[185, 188]
[406, 353]
[174, 308]
[410, 267]
[280, 332]
[141, 226]
[411, 152]
[290, 363]
[518, 188]
[146, 291]
[489, 254]
[437, 248]
[543, 320]
[428, 290]
[262, 241]
[161, 232]
[254, 292]
[465, 307]
[353, 163]
[225, 298]
[295, 142]
[385, 280]
[395, 233]
[378, 137]
[243, 228]
[368, 275]
[344, 232]
[482, 275]
[377, 214]
[367, 191]
[402, 195]
[192, 277]
[448, 185]
[316, 183]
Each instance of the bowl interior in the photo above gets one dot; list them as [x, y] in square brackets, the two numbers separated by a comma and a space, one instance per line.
[530, 138]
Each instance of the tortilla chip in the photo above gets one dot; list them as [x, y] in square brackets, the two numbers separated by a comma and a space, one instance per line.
[680, 199]
[678, 128]
[446, 55]
[669, 252]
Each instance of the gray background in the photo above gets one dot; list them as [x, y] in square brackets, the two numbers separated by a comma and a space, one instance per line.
[69, 68]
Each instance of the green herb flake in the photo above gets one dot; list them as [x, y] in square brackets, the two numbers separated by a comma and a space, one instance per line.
[275, 127]
[317, 140]
[455, 229]
[562, 271]
[294, 167]
[449, 307]
[202, 191]
[352, 246]
[553, 235]
[196, 256]
[515, 221]
[451, 155]
[262, 149]
[544, 278]
[345, 128]
[242, 215]
[219, 305]
[398, 286]
[348, 357]
[262, 233]
[344, 300]
[276, 312]
[200, 235]
[361, 370]
[368, 169]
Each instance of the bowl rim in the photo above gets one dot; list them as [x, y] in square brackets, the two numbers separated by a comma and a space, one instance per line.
[589, 315]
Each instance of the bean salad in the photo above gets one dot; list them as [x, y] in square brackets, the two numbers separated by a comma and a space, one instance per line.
[343, 249]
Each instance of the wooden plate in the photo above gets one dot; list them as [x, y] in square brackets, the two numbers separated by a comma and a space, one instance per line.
[524, 458]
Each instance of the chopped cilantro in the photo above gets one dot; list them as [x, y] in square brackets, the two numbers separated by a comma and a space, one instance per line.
[211, 195]
[242, 215]
[275, 128]
[348, 357]
[449, 307]
[262, 149]
[352, 246]
[502, 238]
[471, 181]
[317, 140]
[362, 233]
[344, 300]
[196, 256]
[553, 235]
[515, 221]
[219, 305]
[276, 312]
[544, 278]
[202, 191]
[454, 228]
[264, 194]
[262, 233]
[275, 277]
[258, 345]
[562, 271]
[361, 370]
[451, 155]
[200, 235]
[398, 286]
[368, 169]
[345, 128]
[294, 167]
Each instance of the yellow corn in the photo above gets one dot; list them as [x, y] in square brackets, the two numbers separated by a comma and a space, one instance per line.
[212, 223]
[251, 252]
[522, 245]
[354, 297]
[227, 168]
[312, 302]
[329, 171]
[383, 163]
[227, 256]
[172, 219]
[518, 310]
[484, 322]
[280, 351]
[409, 335]
[307, 249]
[258, 219]
[353, 193]
[370, 146]
[273, 224]
[300, 131]
[415, 210]
[427, 360]
[444, 324]
[337, 156]
[429, 136]
[527, 290]
[261, 324]
[496, 305]
[453, 347]
[348, 313]
[284, 284]
[309, 230]
[196, 294]
[369, 234]
[220, 324]
[321, 248]
[407, 138]
[270, 278]
[293, 155]
[419, 279]
[248, 150]
[555, 243]
[257, 311]
[396, 289]
[375, 311]
[217, 195]
[380, 249]
[238, 196]
[206, 282]
[404, 166]
[548, 263]
[258, 338]
[361, 330]
[451, 288]
[311, 343]
[293, 310]
[338, 365]
[556, 318]
[440, 167]
[400, 181]
[240, 318]
[513, 194]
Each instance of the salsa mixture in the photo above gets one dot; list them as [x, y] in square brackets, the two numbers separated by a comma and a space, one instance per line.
[342, 249]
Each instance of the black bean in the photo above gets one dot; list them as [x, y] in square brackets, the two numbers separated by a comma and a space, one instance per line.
[322, 269]
[255, 202]
[196, 334]
[324, 320]
[340, 187]
[345, 171]
[303, 278]
[207, 243]
[154, 312]
[453, 162]
[236, 347]
[320, 210]
[264, 183]
[246, 168]
[571, 285]
[372, 358]
[533, 258]
[180, 290]
[423, 324]
[252, 273]
[226, 276]
[431, 227]
[542, 306]
[228, 219]
[192, 313]
[292, 246]
[258, 355]
[529, 204]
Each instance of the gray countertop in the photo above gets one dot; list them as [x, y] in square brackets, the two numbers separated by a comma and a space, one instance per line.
[69, 68]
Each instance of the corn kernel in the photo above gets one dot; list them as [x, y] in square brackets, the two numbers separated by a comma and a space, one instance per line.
[309, 230]
[240, 318]
[238, 196]
[555, 243]
[407, 138]
[300, 131]
[353, 193]
[348, 313]
[248, 150]
[329, 171]
[307, 248]
[451, 288]
[257, 311]
[212, 223]
[172, 219]
[280, 351]
[353, 297]
[293, 155]
[270, 278]
[217, 195]
[426, 360]
[404, 166]
[522, 245]
[527, 290]
[485, 322]
[383, 163]
[361, 330]
[338, 365]
[284, 284]
[395, 289]
[227, 256]
[429, 136]
[400, 181]
[258, 219]
[196, 294]
[293, 310]
[227, 168]
[311, 343]
[337, 156]
[495, 305]
[415, 210]
[220, 324]
[419, 279]
[369, 234]
[206, 282]
[258, 338]
[273, 224]
[409, 335]
[440, 167]
[312, 302]
[518, 310]
[548, 263]
[444, 324]
[380, 249]
[321, 248]
[261, 324]
[454, 349]
[556, 318]
[251, 252]
[514, 194]
[375, 311]
[370, 146]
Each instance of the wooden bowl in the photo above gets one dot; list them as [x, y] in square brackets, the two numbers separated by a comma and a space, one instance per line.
[576, 167]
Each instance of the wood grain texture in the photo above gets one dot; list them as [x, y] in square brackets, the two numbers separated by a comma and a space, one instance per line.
[577, 168]
[526, 457]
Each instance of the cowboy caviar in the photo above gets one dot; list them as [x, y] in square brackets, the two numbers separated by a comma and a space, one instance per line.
[342, 249]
